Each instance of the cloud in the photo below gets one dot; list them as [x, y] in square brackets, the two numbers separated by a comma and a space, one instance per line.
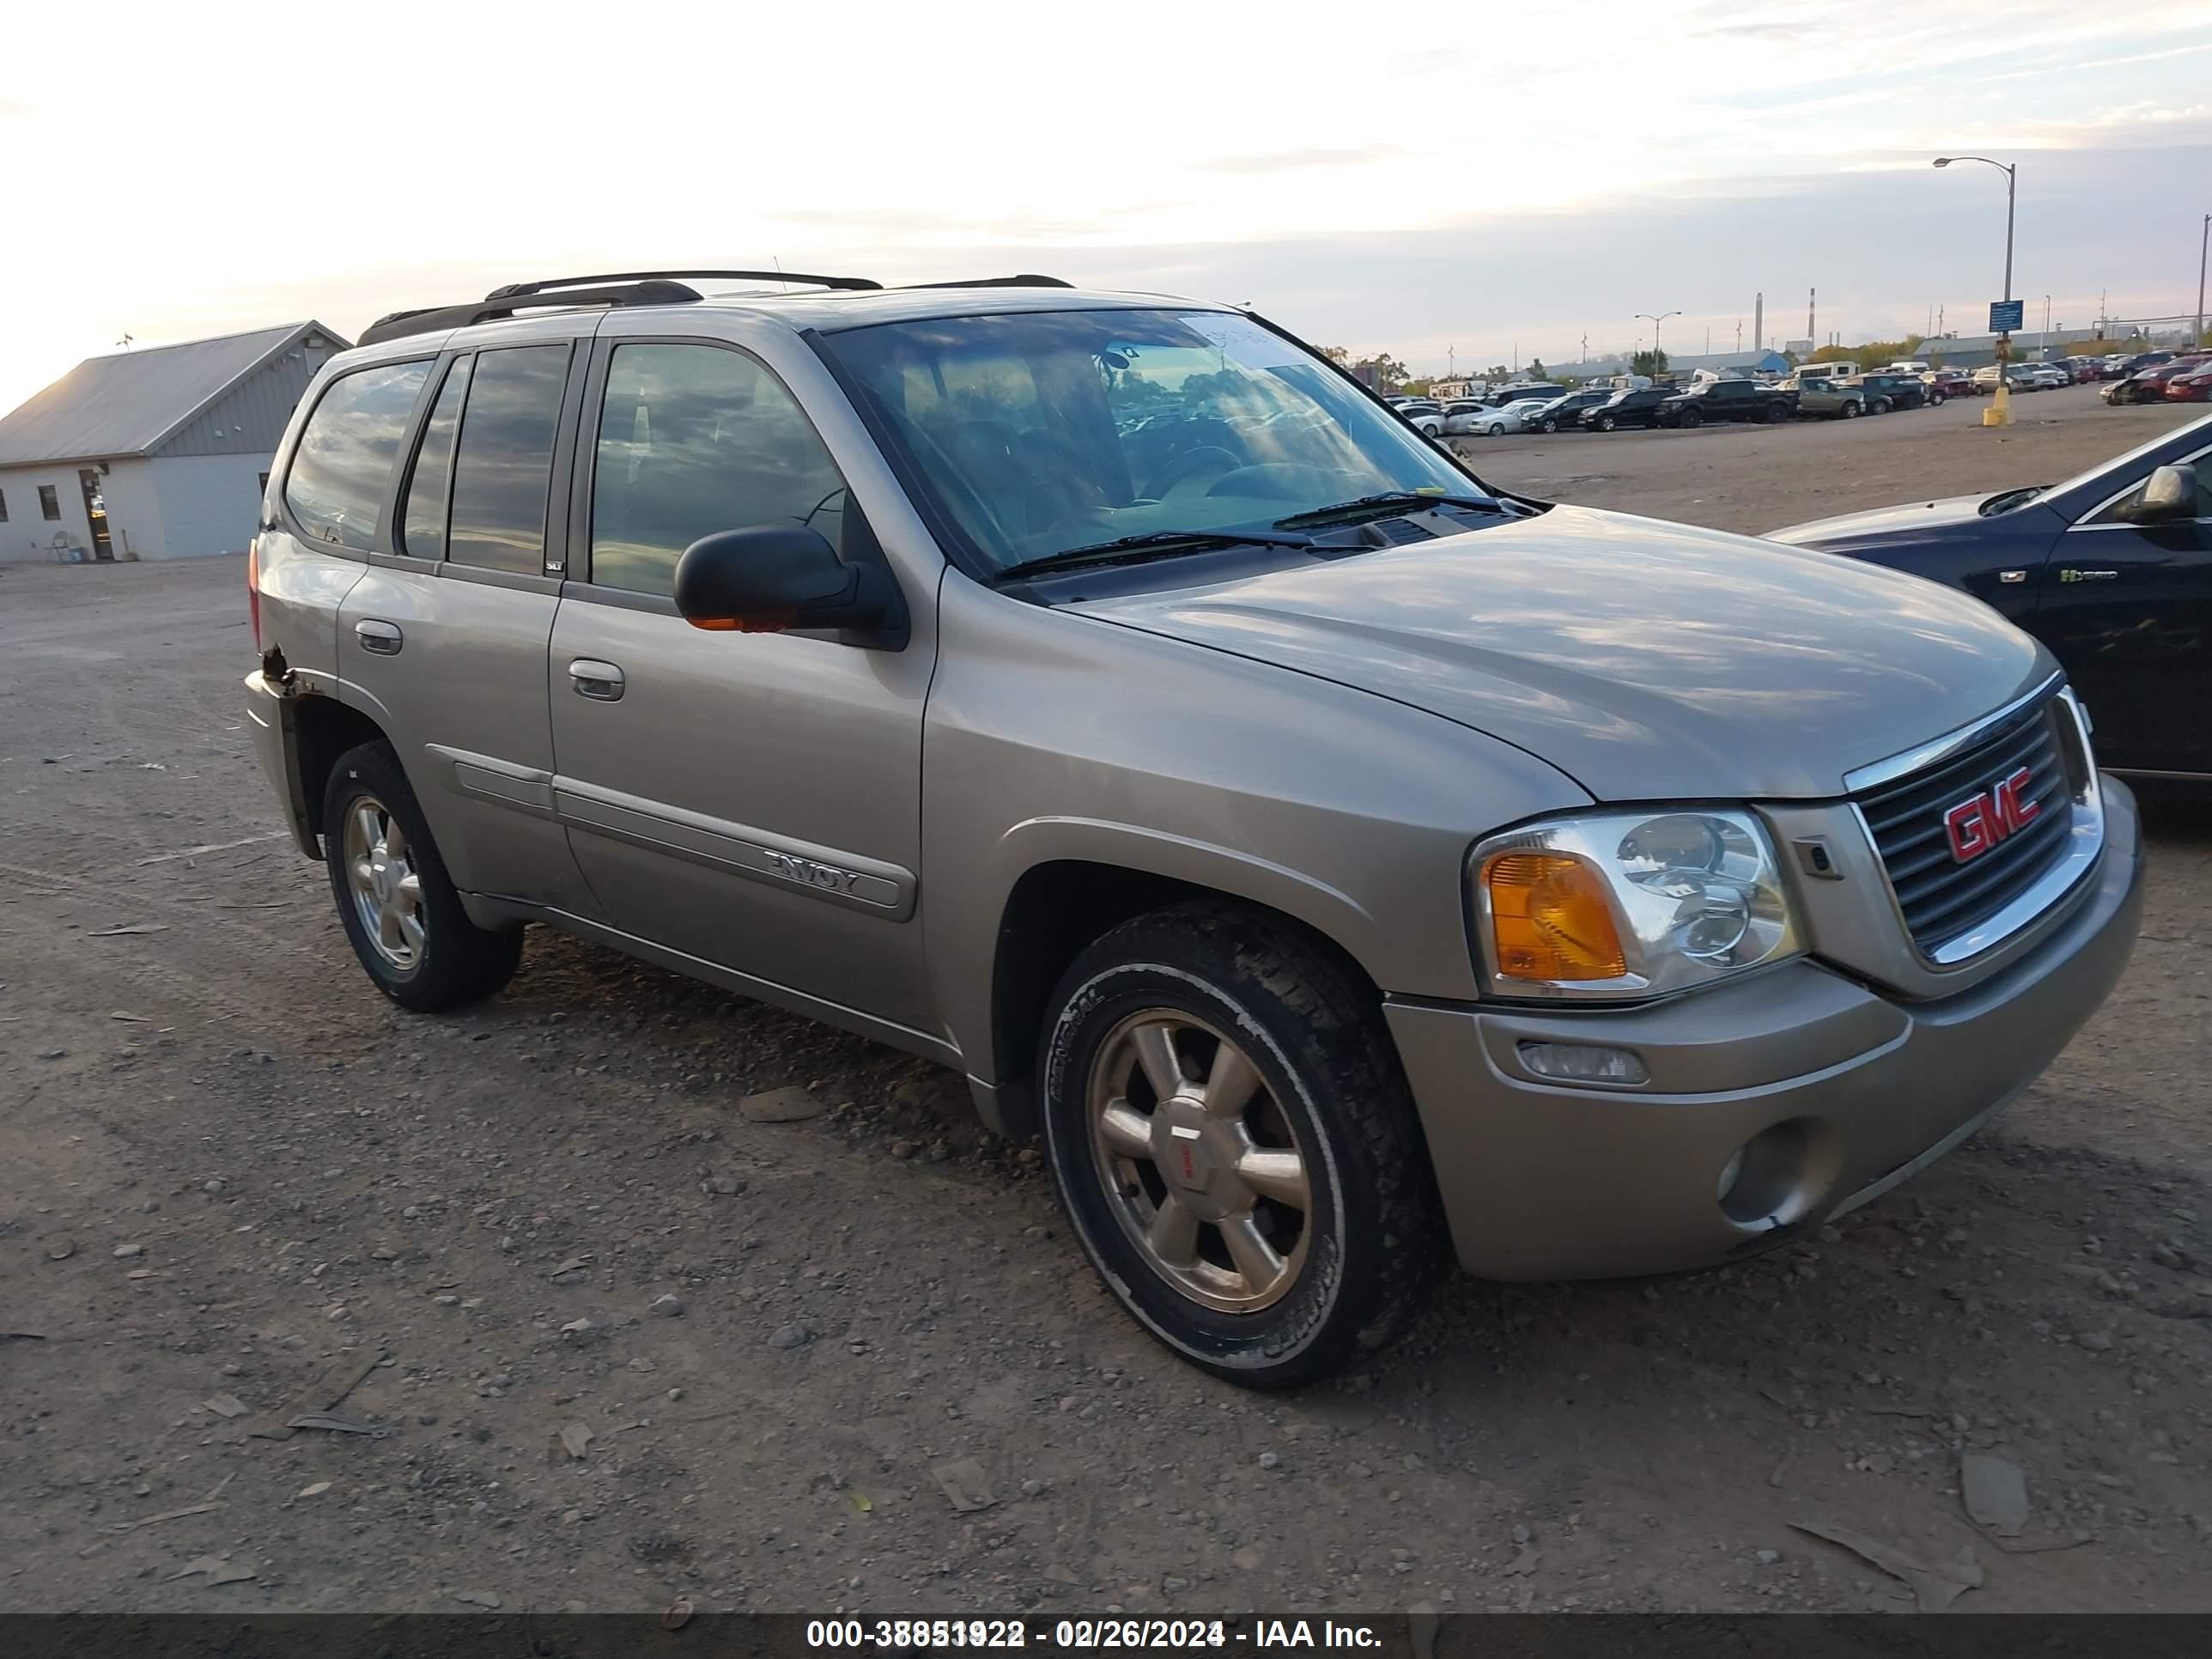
[1300, 161]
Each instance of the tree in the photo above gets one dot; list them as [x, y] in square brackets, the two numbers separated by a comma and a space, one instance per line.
[1381, 371]
[1416, 388]
[1497, 371]
[1338, 355]
[1536, 371]
[1649, 362]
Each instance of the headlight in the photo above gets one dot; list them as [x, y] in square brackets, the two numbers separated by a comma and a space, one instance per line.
[1628, 905]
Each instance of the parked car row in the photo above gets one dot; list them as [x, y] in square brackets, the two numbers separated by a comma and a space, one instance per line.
[2184, 378]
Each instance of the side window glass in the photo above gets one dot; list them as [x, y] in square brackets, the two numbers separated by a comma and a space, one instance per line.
[336, 482]
[504, 466]
[693, 439]
[423, 520]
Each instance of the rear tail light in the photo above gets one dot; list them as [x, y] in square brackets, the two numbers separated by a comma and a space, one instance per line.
[253, 589]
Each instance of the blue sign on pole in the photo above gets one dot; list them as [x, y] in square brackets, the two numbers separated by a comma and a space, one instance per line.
[2005, 315]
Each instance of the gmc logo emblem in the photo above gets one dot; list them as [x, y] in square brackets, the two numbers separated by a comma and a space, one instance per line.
[1980, 822]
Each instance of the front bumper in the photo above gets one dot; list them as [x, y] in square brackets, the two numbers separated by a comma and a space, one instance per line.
[1841, 1091]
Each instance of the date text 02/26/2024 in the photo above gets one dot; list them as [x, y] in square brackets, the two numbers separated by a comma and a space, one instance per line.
[1079, 1634]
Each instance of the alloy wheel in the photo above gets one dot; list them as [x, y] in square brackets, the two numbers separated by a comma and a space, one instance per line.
[386, 888]
[1201, 1165]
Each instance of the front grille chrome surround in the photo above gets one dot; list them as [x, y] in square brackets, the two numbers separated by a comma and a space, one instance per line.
[1953, 910]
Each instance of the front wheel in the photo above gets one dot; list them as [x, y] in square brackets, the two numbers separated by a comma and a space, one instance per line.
[1236, 1146]
[1935, 399]
[1606, 423]
[395, 900]
[1550, 424]
[1850, 411]
[1690, 418]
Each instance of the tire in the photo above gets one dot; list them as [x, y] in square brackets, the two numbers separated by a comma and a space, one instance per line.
[1850, 411]
[1776, 413]
[1689, 418]
[1935, 399]
[1323, 1091]
[443, 960]
[1552, 423]
[1606, 423]
[1882, 406]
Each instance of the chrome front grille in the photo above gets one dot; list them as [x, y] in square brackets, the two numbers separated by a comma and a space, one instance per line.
[1943, 897]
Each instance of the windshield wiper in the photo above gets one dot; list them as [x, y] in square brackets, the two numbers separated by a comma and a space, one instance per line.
[1392, 498]
[1153, 544]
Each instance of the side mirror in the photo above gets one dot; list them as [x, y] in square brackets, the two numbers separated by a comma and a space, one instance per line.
[2168, 493]
[769, 578]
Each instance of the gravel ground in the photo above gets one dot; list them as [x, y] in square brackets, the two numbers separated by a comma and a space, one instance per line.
[617, 1345]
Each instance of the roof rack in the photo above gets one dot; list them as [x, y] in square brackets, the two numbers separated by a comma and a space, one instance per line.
[636, 288]
[514, 290]
[1027, 280]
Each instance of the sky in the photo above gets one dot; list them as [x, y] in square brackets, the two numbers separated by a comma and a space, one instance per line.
[1459, 185]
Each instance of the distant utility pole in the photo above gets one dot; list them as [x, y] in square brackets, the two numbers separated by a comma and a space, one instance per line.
[2046, 319]
[1811, 295]
[1451, 358]
[1759, 321]
[1709, 339]
[2203, 245]
[1939, 320]
[1739, 334]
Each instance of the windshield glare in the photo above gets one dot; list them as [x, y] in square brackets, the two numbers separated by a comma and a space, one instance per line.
[1041, 431]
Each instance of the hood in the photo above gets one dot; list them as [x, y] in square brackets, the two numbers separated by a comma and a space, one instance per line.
[1646, 661]
[1912, 518]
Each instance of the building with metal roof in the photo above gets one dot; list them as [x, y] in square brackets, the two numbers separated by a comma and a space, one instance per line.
[161, 453]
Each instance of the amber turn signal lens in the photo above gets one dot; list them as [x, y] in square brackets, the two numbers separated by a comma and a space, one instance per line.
[1549, 919]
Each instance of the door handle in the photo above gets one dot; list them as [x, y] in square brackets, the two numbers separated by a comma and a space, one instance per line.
[601, 681]
[383, 638]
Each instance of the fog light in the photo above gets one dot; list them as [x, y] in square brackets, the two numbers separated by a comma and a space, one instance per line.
[1583, 1062]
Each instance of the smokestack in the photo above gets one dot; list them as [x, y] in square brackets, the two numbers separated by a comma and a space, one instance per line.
[1811, 295]
[1759, 323]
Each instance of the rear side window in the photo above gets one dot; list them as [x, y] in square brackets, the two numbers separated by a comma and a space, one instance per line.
[423, 522]
[504, 467]
[693, 439]
[336, 482]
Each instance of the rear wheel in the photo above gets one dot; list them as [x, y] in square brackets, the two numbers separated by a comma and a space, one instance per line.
[396, 902]
[1850, 411]
[1606, 423]
[1236, 1146]
[1551, 423]
[1935, 399]
[1882, 405]
[1689, 418]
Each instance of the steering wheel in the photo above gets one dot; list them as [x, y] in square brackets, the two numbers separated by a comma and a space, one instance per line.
[1206, 458]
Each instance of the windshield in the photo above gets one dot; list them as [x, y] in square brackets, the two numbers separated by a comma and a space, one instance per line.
[1037, 432]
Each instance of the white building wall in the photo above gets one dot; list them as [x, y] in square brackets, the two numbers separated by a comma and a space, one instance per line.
[134, 509]
[27, 536]
[210, 503]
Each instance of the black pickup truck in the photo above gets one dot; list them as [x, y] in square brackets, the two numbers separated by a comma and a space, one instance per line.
[1727, 400]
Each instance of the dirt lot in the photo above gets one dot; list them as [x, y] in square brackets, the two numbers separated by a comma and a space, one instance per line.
[231, 1178]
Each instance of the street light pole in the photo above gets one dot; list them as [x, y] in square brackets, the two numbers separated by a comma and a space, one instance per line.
[1646, 317]
[1999, 413]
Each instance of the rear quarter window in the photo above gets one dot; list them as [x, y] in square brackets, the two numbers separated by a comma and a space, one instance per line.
[340, 473]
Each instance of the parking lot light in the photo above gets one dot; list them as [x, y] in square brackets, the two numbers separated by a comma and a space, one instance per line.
[1999, 413]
